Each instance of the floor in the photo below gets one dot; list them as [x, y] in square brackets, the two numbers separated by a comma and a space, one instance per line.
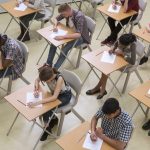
[24, 134]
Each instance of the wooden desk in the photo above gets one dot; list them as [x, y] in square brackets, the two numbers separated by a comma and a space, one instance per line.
[140, 95]
[71, 141]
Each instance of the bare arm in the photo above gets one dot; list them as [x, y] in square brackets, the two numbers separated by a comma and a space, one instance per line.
[5, 62]
[126, 6]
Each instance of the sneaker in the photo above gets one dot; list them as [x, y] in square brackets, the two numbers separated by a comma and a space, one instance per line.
[146, 126]
[143, 60]
[105, 42]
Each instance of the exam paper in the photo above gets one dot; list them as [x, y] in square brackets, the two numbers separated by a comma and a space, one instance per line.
[89, 144]
[30, 98]
[60, 32]
[110, 9]
[22, 7]
[108, 58]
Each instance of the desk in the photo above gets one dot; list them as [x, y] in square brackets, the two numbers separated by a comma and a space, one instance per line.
[9, 7]
[45, 33]
[93, 60]
[140, 95]
[71, 141]
[116, 16]
[30, 113]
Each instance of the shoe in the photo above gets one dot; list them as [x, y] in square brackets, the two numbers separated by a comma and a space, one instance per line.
[45, 134]
[101, 96]
[19, 37]
[92, 92]
[105, 42]
[146, 126]
[26, 38]
[143, 60]
[148, 133]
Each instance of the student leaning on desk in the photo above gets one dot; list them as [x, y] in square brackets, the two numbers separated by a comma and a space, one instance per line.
[115, 29]
[116, 126]
[59, 88]
[125, 47]
[35, 4]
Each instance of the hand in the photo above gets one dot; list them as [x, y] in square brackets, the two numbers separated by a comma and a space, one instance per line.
[17, 4]
[55, 29]
[32, 104]
[93, 136]
[119, 53]
[58, 38]
[111, 51]
[99, 132]
[36, 94]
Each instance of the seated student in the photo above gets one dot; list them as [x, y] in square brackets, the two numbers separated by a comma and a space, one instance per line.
[125, 47]
[12, 57]
[146, 126]
[145, 58]
[74, 19]
[35, 4]
[115, 29]
[59, 88]
[116, 125]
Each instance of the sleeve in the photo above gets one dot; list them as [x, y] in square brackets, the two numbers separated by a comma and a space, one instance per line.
[99, 114]
[36, 4]
[59, 17]
[9, 53]
[80, 24]
[131, 5]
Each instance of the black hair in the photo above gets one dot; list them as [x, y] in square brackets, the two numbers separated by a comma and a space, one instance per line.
[127, 39]
[3, 38]
[63, 8]
[110, 106]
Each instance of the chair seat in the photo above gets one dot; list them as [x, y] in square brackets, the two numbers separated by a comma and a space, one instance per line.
[47, 16]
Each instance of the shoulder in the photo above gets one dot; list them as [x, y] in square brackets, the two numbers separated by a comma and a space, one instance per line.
[78, 14]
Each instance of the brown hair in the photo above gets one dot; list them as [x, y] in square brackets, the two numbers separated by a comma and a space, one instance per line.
[46, 73]
[63, 8]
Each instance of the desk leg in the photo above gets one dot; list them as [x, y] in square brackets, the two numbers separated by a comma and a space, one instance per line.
[13, 123]
[9, 23]
[147, 111]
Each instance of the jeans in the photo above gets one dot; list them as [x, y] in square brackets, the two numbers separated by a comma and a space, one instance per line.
[65, 50]
[64, 98]
[116, 29]
[8, 73]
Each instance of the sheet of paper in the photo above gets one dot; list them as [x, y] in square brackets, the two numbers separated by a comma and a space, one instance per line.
[30, 98]
[112, 10]
[108, 58]
[89, 144]
[60, 32]
[22, 7]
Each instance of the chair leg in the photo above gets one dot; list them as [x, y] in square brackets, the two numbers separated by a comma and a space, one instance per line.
[9, 85]
[89, 48]
[42, 26]
[79, 58]
[139, 25]
[126, 82]
[60, 124]
[94, 11]
[78, 116]
[24, 79]
[138, 75]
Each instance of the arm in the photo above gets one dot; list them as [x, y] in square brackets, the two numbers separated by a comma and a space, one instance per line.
[93, 128]
[114, 48]
[126, 5]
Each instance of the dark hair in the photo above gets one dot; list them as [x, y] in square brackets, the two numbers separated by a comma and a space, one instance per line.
[110, 106]
[3, 38]
[63, 8]
[127, 39]
[46, 73]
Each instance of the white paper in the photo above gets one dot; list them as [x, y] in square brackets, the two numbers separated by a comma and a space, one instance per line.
[60, 32]
[89, 144]
[108, 58]
[30, 98]
[110, 9]
[22, 7]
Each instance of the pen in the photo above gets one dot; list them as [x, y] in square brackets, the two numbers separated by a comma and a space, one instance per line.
[21, 102]
[83, 136]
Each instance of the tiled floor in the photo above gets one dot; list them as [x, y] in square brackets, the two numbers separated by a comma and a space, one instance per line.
[24, 135]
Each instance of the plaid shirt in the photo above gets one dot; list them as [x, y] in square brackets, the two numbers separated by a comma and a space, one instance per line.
[119, 128]
[12, 51]
[80, 24]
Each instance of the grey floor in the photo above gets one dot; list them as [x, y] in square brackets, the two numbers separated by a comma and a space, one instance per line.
[24, 135]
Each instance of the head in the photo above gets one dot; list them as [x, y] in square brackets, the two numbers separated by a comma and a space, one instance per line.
[3, 39]
[111, 108]
[127, 39]
[65, 10]
[47, 74]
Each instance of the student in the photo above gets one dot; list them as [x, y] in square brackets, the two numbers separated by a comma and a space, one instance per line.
[12, 57]
[145, 58]
[74, 19]
[125, 47]
[115, 29]
[116, 125]
[146, 126]
[35, 4]
[59, 89]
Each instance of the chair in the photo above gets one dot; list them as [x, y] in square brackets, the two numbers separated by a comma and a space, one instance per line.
[25, 51]
[75, 83]
[142, 6]
[140, 47]
[91, 27]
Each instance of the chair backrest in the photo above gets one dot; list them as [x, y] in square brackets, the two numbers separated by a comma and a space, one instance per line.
[25, 52]
[51, 4]
[74, 81]
[90, 25]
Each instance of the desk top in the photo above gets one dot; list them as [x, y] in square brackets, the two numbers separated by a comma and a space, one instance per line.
[140, 93]
[29, 113]
[116, 16]
[10, 5]
[45, 33]
[71, 141]
[94, 58]
[143, 34]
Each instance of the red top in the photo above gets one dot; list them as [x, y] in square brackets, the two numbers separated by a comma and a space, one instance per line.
[132, 5]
